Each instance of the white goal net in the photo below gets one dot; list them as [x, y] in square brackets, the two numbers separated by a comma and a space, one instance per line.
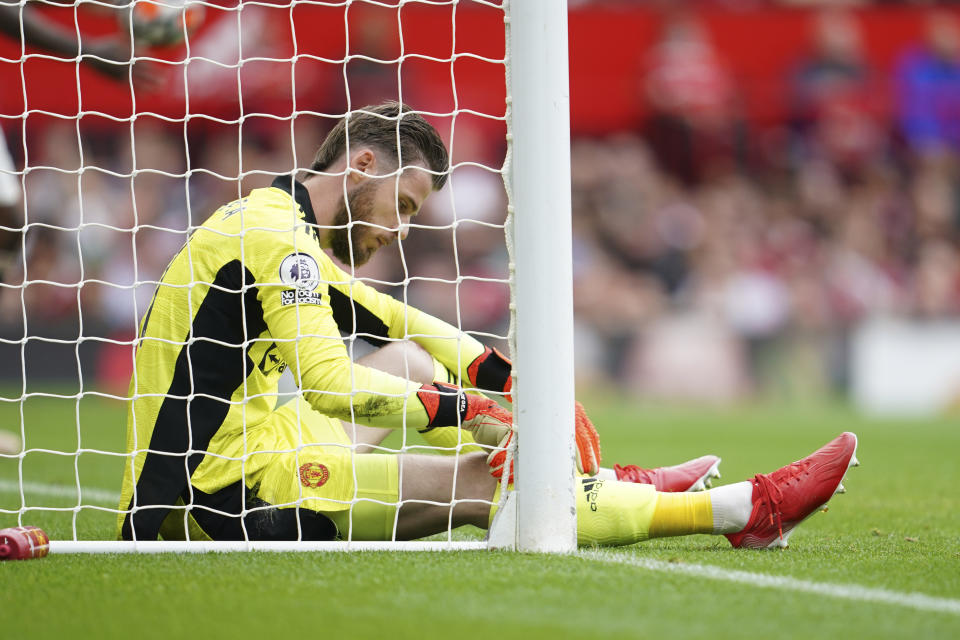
[114, 171]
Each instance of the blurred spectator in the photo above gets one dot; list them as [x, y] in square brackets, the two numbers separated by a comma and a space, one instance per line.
[694, 129]
[373, 76]
[837, 107]
[937, 280]
[928, 88]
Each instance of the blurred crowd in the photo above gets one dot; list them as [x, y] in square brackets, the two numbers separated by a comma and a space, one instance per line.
[712, 258]
[765, 248]
[740, 5]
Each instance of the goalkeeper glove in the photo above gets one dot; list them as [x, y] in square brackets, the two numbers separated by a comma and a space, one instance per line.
[490, 424]
[498, 458]
[587, 446]
[588, 443]
[490, 371]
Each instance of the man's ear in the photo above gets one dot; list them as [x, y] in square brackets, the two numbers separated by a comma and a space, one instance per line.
[363, 163]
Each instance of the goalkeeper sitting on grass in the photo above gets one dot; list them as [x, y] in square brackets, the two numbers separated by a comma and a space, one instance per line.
[253, 292]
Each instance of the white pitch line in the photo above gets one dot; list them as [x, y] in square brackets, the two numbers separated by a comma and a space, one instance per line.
[911, 600]
[59, 491]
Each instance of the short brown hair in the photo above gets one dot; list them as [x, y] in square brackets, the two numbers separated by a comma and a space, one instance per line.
[377, 126]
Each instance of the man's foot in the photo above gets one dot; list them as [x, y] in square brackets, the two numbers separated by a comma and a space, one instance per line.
[788, 496]
[693, 475]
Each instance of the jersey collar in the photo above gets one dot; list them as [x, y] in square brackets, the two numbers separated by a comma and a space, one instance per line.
[300, 196]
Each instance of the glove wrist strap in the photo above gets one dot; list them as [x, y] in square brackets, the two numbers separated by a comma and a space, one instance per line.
[446, 405]
[490, 371]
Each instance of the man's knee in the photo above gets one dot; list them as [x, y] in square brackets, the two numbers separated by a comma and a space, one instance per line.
[405, 359]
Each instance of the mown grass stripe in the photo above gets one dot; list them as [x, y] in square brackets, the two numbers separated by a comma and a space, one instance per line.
[861, 593]
[91, 494]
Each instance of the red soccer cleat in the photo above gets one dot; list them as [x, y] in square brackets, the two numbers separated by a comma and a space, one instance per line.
[693, 475]
[788, 496]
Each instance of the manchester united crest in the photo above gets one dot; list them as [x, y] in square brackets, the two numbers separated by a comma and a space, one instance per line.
[313, 475]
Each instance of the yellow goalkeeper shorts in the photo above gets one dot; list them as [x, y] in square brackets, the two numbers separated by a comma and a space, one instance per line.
[298, 467]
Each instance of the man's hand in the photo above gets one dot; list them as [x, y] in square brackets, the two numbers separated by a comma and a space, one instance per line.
[585, 435]
[490, 424]
[588, 443]
[498, 458]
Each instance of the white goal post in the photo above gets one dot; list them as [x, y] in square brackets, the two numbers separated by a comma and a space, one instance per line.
[538, 514]
[539, 186]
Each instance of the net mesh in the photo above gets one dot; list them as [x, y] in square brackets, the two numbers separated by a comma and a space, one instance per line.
[113, 167]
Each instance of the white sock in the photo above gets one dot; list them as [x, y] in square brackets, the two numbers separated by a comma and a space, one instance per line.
[732, 505]
[606, 473]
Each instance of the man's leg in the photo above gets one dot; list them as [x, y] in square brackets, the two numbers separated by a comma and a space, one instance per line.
[639, 512]
[405, 359]
[758, 513]
[408, 360]
[434, 494]
[608, 512]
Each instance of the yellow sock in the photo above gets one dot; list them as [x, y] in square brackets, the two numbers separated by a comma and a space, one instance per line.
[680, 514]
[448, 437]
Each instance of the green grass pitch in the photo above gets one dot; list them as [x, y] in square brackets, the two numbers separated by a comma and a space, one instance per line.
[896, 529]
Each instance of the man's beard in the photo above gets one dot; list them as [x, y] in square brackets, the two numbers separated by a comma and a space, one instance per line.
[347, 243]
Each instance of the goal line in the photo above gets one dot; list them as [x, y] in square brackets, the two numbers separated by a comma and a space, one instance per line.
[198, 546]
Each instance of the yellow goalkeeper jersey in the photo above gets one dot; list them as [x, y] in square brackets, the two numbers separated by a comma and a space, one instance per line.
[250, 293]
